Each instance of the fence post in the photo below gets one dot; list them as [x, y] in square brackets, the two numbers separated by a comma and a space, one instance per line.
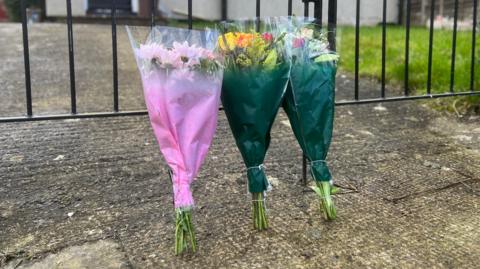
[317, 12]
[114, 55]
[474, 34]
[26, 58]
[153, 12]
[190, 14]
[224, 7]
[332, 23]
[71, 59]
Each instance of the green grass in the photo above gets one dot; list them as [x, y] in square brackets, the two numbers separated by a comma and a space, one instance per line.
[371, 57]
[197, 24]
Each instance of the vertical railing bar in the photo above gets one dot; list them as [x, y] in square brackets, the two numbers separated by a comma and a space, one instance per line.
[257, 9]
[290, 8]
[153, 12]
[304, 158]
[304, 169]
[224, 10]
[190, 15]
[332, 24]
[384, 41]
[454, 46]
[71, 58]
[257, 15]
[474, 28]
[114, 56]
[407, 48]
[26, 58]
[430, 48]
[317, 13]
[306, 7]
[357, 47]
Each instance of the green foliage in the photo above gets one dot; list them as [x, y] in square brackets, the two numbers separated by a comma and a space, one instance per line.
[257, 50]
[371, 57]
[14, 8]
[243, 60]
[208, 66]
[271, 60]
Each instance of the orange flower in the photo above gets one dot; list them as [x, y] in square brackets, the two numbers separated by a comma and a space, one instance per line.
[245, 39]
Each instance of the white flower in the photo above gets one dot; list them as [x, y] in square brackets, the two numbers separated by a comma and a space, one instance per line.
[307, 33]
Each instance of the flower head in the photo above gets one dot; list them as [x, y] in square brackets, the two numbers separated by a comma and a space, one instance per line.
[307, 33]
[170, 58]
[227, 41]
[207, 54]
[268, 37]
[185, 50]
[150, 51]
[246, 39]
[298, 42]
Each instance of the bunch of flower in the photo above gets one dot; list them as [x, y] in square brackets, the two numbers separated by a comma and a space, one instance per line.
[255, 79]
[182, 80]
[310, 44]
[250, 49]
[310, 106]
[179, 56]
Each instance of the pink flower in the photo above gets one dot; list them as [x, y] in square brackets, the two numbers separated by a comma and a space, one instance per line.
[207, 54]
[298, 42]
[182, 55]
[184, 49]
[268, 37]
[190, 55]
[150, 51]
[170, 58]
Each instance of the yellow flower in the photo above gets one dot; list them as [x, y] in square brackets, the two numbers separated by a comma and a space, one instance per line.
[231, 40]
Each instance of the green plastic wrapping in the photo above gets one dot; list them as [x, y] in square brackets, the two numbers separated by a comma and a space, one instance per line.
[309, 103]
[251, 99]
[254, 82]
[309, 100]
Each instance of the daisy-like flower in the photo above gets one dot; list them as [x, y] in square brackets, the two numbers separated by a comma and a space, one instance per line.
[150, 51]
[170, 58]
[189, 54]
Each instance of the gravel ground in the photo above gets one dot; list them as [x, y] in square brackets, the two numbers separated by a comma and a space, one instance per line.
[94, 193]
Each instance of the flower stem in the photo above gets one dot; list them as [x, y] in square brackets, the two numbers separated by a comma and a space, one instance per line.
[324, 192]
[260, 221]
[183, 231]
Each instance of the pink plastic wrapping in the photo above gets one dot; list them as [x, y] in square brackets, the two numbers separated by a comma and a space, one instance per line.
[182, 79]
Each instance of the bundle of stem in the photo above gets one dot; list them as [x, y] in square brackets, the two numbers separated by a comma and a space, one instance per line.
[184, 231]
[260, 221]
[324, 190]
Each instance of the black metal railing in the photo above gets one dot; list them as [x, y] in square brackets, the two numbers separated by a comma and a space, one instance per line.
[318, 9]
